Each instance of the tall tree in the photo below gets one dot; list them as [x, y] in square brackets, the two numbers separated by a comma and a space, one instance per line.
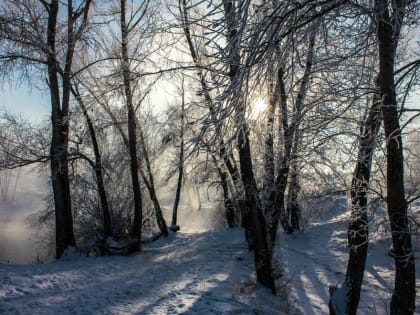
[131, 123]
[27, 41]
[174, 226]
[389, 16]
[358, 229]
[289, 125]
[224, 153]
[150, 184]
[97, 165]
[256, 223]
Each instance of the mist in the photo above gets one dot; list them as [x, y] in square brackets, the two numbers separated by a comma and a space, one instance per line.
[22, 194]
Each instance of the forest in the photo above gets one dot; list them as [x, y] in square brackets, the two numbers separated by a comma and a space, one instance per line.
[258, 109]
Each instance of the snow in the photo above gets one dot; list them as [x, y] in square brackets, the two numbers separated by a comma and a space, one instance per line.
[208, 272]
[201, 273]
[316, 259]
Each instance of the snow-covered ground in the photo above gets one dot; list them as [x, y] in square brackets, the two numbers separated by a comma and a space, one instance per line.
[204, 273]
[316, 259]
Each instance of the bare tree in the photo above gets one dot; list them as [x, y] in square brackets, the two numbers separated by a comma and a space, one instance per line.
[97, 165]
[256, 223]
[131, 122]
[358, 229]
[174, 226]
[226, 155]
[389, 17]
[28, 41]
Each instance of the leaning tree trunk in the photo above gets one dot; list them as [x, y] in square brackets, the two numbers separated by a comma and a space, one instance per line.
[227, 201]
[289, 130]
[257, 224]
[174, 226]
[227, 157]
[358, 229]
[97, 167]
[132, 142]
[269, 163]
[148, 180]
[388, 31]
[150, 184]
[293, 205]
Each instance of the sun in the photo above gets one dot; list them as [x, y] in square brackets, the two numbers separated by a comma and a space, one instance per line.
[258, 108]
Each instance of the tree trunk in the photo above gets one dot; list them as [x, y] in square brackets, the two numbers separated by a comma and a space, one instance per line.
[148, 180]
[174, 226]
[227, 202]
[132, 142]
[358, 229]
[227, 157]
[289, 131]
[293, 207]
[59, 143]
[97, 168]
[256, 224]
[269, 163]
[275, 210]
[150, 184]
[388, 31]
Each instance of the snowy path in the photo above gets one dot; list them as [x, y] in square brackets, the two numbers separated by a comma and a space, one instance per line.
[208, 273]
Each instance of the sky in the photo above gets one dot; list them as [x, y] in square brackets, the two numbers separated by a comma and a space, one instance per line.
[33, 104]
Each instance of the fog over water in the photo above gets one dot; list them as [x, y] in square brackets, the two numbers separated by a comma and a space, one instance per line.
[22, 193]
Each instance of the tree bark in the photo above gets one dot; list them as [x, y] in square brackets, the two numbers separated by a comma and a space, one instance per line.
[100, 186]
[174, 226]
[358, 228]
[227, 157]
[269, 163]
[60, 127]
[275, 210]
[388, 32]
[148, 179]
[132, 142]
[150, 184]
[257, 224]
[293, 207]
[289, 130]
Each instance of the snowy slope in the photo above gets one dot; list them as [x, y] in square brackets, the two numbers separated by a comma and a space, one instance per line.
[206, 273]
[315, 259]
